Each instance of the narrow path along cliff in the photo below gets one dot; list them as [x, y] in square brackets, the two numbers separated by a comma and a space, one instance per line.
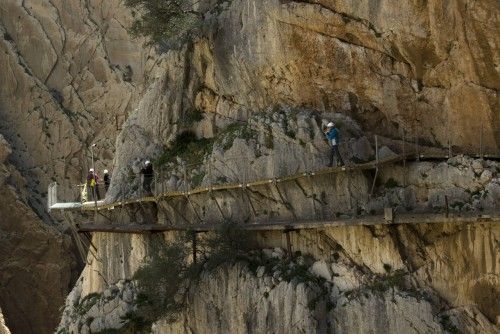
[228, 100]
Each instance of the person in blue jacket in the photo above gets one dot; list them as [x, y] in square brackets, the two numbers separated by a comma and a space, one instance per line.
[332, 134]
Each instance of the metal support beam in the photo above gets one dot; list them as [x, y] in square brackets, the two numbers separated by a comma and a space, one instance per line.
[288, 244]
[446, 206]
[285, 202]
[193, 241]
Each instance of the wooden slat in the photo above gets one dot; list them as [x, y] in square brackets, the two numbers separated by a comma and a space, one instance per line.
[296, 225]
[230, 186]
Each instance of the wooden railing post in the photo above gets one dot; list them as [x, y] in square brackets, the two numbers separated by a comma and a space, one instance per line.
[481, 142]
[193, 241]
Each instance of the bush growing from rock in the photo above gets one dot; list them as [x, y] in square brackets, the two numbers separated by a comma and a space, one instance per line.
[164, 279]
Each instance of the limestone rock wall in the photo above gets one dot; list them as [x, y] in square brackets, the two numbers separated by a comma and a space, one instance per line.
[70, 73]
[367, 281]
[426, 68]
[36, 262]
[3, 327]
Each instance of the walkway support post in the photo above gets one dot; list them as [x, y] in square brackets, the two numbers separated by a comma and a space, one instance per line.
[187, 194]
[417, 145]
[447, 212]
[481, 142]
[244, 189]
[210, 186]
[288, 243]
[404, 158]
[449, 148]
[376, 165]
[193, 241]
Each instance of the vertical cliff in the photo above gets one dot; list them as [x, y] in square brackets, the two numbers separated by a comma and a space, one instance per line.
[426, 71]
[70, 75]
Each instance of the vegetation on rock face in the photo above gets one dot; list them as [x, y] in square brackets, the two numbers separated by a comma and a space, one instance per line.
[187, 147]
[87, 302]
[168, 22]
[163, 281]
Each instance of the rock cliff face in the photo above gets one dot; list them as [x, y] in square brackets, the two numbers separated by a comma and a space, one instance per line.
[425, 71]
[68, 68]
[36, 264]
[365, 281]
[404, 278]
[423, 68]
[3, 328]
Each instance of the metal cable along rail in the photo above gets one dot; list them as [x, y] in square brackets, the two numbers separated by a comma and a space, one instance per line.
[85, 246]
[243, 186]
[411, 151]
[233, 186]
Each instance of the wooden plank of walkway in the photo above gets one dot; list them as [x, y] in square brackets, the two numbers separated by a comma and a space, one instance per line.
[295, 225]
[229, 186]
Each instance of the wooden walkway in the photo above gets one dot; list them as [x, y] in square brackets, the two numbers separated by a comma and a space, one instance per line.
[420, 218]
[274, 225]
[90, 206]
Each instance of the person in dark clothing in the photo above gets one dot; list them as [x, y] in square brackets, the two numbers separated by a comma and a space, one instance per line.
[107, 180]
[96, 176]
[147, 172]
[332, 134]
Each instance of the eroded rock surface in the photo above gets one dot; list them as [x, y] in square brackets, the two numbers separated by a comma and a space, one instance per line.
[68, 68]
[354, 283]
[3, 327]
[71, 74]
[425, 69]
[36, 261]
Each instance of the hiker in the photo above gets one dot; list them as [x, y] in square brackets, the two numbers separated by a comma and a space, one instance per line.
[332, 134]
[107, 180]
[92, 184]
[148, 172]
[96, 176]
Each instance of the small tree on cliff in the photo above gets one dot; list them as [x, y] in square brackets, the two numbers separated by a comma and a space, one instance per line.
[167, 22]
[165, 277]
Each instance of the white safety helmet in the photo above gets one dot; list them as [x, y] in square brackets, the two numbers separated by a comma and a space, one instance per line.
[105, 171]
[91, 170]
[330, 125]
[147, 162]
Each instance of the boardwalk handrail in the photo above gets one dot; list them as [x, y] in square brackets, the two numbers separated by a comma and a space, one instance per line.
[232, 186]
[241, 185]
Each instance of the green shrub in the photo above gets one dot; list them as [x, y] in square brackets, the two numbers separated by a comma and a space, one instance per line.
[197, 178]
[192, 116]
[393, 280]
[448, 325]
[168, 22]
[87, 302]
[163, 280]
[159, 281]
[187, 147]
[391, 183]
[233, 131]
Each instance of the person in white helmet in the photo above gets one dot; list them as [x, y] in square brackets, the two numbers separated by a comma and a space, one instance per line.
[92, 184]
[107, 179]
[332, 134]
[148, 173]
